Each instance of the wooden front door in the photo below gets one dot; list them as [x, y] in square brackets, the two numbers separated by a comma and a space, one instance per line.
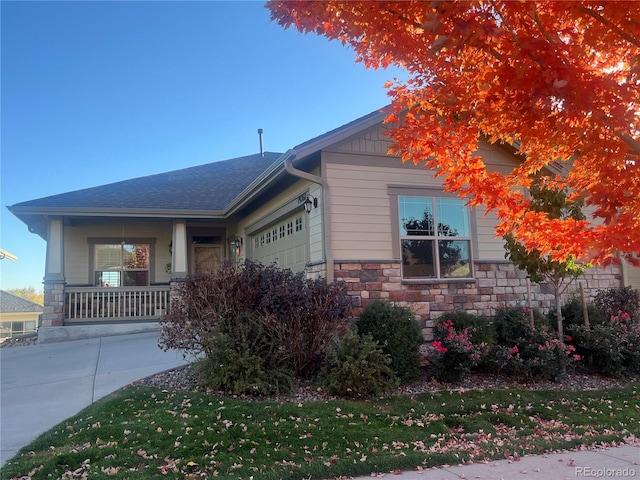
[206, 258]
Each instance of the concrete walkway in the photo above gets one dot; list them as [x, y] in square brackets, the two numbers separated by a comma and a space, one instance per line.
[44, 384]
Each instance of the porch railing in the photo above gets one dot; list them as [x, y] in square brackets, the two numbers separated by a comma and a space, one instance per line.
[86, 304]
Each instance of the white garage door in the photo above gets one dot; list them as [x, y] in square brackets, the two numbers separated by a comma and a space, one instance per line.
[283, 243]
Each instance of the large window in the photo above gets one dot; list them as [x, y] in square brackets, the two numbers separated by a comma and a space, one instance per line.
[435, 237]
[121, 265]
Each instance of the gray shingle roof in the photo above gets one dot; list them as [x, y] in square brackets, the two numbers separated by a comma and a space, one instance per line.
[10, 303]
[209, 187]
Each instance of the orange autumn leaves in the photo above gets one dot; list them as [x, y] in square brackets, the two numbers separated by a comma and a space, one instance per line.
[558, 81]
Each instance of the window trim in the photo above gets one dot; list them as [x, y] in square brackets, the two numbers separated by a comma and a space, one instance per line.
[397, 191]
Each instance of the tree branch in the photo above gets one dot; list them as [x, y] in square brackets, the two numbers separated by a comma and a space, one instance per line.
[632, 40]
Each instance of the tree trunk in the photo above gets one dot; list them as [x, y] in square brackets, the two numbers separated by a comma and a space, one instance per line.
[559, 312]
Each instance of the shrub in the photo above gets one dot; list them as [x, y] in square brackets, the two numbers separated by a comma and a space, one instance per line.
[299, 317]
[611, 348]
[455, 354]
[527, 351]
[358, 367]
[242, 359]
[614, 301]
[481, 329]
[573, 315]
[398, 334]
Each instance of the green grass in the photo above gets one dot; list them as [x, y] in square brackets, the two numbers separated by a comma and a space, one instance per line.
[142, 432]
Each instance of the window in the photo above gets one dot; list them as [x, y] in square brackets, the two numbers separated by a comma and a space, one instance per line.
[121, 265]
[435, 237]
[299, 224]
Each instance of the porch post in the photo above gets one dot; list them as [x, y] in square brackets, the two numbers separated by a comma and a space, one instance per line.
[54, 280]
[179, 250]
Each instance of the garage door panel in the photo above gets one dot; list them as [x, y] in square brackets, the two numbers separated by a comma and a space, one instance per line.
[283, 243]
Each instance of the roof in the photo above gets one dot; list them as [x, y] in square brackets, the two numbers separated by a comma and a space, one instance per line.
[10, 303]
[209, 187]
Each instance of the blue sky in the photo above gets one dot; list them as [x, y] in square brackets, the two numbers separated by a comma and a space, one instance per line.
[97, 92]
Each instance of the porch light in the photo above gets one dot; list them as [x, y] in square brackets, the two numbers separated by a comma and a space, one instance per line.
[236, 244]
[310, 203]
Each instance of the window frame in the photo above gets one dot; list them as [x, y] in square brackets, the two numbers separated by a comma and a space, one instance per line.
[395, 194]
[93, 270]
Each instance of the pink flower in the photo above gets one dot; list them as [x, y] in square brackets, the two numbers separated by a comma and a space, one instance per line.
[515, 349]
[576, 357]
[569, 338]
[438, 346]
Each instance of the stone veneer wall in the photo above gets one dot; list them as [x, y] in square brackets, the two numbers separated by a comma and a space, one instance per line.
[495, 284]
[53, 311]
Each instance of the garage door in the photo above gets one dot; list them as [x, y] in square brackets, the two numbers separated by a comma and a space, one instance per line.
[283, 243]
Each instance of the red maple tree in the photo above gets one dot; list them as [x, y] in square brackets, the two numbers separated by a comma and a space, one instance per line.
[559, 81]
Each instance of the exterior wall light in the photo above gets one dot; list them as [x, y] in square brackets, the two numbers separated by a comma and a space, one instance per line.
[310, 203]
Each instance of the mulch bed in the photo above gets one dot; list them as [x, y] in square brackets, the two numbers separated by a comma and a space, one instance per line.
[185, 379]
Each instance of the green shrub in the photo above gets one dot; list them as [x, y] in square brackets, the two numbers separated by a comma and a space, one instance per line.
[611, 348]
[481, 329]
[573, 315]
[615, 301]
[398, 333]
[455, 354]
[242, 360]
[531, 352]
[358, 367]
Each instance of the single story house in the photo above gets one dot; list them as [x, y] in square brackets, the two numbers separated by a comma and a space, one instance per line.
[18, 316]
[337, 205]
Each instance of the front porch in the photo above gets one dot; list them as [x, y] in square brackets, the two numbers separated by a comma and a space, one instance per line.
[95, 305]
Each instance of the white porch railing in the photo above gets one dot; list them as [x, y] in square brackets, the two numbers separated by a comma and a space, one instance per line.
[86, 304]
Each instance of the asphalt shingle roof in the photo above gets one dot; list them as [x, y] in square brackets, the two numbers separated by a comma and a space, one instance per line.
[10, 303]
[209, 187]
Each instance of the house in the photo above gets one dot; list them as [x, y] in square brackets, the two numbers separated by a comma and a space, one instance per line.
[337, 205]
[18, 316]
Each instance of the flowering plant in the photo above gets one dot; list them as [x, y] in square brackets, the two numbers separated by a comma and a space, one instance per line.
[455, 354]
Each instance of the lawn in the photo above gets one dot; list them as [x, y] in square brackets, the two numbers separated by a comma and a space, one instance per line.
[144, 432]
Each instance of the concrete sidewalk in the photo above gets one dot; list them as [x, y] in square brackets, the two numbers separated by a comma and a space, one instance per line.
[44, 384]
[602, 463]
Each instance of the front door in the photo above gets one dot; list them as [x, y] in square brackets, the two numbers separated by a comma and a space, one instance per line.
[206, 258]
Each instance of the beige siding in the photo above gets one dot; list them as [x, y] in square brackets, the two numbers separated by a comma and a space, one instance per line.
[361, 211]
[76, 248]
[290, 195]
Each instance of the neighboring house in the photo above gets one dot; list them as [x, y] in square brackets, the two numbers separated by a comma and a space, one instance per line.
[18, 316]
[337, 205]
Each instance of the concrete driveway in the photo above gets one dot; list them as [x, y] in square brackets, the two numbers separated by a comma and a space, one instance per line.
[42, 385]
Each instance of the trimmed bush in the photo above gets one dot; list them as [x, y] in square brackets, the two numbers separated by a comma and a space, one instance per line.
[530, 352]
[455, 353]
[398, 334]
[242, 360]
[615, 301]
[358, 367]
[611, 348]
[296, 317]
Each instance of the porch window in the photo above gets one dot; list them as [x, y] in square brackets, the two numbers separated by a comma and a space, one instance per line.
[121, 265]
[435, 238]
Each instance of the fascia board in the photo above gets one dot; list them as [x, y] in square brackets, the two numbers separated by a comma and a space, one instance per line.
[115, 212]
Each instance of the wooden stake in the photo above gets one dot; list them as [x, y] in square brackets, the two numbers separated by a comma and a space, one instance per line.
[531, 322]
[585, 311]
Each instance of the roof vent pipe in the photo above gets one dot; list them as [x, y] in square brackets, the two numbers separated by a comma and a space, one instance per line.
[260, 132]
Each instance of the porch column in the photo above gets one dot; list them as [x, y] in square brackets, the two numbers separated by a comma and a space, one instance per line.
[54, 281]
[179, 250]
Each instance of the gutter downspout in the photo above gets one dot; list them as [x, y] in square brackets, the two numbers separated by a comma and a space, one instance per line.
[326, 206]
